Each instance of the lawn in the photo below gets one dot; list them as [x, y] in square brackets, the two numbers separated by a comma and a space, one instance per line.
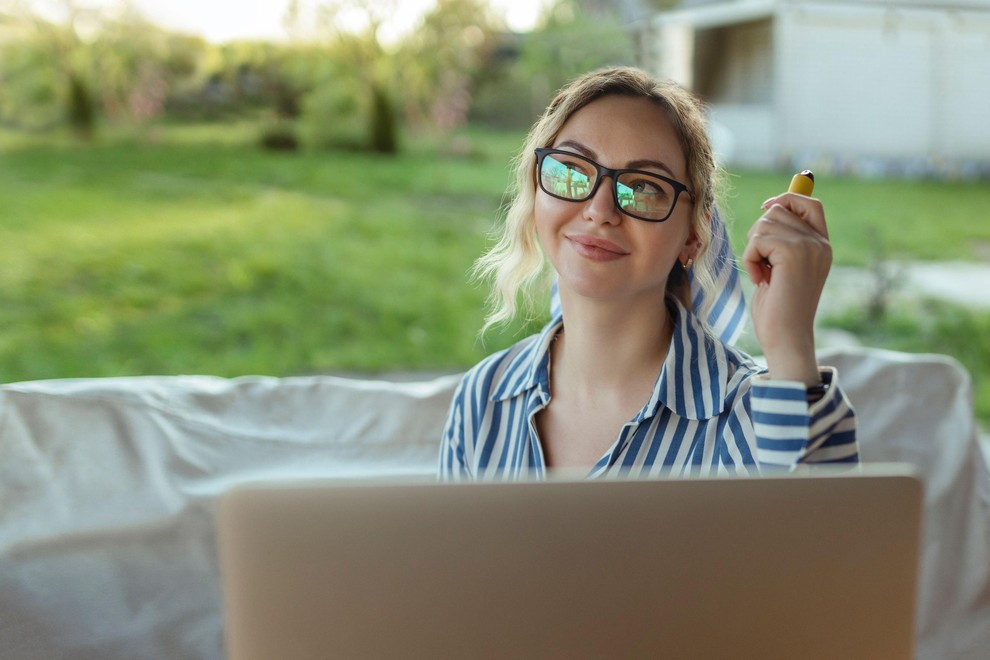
[197, 252]
[900, 219]
[135, 258]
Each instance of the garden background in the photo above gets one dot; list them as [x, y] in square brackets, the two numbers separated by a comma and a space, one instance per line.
[313, 204]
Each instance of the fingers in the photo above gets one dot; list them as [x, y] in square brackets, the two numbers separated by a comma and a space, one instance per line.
[798, 207]
[788, 257]
[778, 219]
[787, 245]
[757, 266]
[783, 225]
[792, 229]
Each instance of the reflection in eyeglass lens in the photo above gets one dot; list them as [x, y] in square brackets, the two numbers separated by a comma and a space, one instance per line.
[644, 195]
[566, 177]
[637, 193]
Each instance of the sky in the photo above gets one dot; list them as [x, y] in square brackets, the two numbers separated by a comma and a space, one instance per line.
[223, 20]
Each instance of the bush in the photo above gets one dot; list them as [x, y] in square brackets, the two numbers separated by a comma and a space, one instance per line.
[82, 115]
[279, 136]
[332, 116]
[384, 132]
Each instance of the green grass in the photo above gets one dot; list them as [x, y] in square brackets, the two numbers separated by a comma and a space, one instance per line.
[134, 258]
[901, 219]
[190, 250]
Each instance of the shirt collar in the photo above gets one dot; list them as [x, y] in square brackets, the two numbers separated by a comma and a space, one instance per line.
[530, 367]
[694, 379]
[692, 383]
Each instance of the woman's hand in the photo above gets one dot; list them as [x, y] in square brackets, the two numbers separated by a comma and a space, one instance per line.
[788, 258]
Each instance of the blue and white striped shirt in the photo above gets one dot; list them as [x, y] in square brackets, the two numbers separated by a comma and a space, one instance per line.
[712, 411]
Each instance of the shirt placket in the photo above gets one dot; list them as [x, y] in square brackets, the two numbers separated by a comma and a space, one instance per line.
[539, 400]
[608, 460]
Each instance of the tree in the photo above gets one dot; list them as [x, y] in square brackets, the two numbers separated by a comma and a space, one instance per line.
[360, 80]
[137, 65]
[575, 37]
[572, 37]
[90, 63]
[45, 75]
[444, 59]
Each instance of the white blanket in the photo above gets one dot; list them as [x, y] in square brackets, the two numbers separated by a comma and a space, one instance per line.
[107, 489]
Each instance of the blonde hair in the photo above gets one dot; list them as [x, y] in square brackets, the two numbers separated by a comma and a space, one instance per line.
[516, 263]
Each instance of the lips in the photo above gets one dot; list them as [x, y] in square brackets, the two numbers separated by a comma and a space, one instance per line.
[596, 248]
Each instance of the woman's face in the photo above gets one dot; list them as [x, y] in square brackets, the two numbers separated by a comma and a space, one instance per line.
[598, 251]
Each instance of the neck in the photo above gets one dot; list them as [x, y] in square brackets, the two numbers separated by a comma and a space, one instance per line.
[612, 347]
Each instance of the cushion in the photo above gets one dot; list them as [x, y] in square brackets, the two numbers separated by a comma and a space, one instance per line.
[107, 489]
[918, 409]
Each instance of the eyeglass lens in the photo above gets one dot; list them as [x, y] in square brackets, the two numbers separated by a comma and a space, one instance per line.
[573, 178]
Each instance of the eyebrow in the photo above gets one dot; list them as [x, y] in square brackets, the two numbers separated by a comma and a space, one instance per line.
[633, 165]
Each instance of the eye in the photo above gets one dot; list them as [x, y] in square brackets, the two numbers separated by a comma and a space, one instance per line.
[574, 165]
[645, 186]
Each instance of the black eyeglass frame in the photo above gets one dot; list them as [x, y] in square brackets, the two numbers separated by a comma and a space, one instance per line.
[601, 173]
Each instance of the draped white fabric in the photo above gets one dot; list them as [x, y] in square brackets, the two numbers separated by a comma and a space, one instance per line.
[107, 489]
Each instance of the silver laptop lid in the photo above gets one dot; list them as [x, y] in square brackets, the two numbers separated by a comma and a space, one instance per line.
[779, 567]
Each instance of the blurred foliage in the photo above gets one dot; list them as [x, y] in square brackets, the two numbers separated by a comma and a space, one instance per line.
[443, 60]
[338, 82]
[92, 65]
[523, 75]
[572, 41]
[361, 77]
[911, 219]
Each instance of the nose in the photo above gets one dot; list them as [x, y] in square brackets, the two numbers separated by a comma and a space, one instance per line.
[601, 209]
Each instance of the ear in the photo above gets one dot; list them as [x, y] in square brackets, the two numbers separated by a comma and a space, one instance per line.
[689, 252]
[692, 246]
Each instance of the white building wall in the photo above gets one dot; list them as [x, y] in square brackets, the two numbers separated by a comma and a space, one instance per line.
[854, 82]
[851, 83]
[743, 135]
[675, 52]
[742, 111]
[746, 72]
[962, 90]
[885, 84]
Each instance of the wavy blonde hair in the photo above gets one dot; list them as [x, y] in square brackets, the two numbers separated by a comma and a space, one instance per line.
[516, 264]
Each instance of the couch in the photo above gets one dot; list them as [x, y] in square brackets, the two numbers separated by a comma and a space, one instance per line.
[108, 486]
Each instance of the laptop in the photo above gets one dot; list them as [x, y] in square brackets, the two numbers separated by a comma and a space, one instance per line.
[798, 566]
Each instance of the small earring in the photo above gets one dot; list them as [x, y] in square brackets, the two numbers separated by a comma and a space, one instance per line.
[687, 264]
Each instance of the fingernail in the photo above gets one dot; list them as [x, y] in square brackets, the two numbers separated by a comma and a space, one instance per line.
[767, 203]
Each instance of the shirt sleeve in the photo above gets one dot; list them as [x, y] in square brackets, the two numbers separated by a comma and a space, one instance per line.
[453, 465]
[790, 431]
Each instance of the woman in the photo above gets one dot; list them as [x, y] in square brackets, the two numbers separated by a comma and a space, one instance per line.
[615, 187]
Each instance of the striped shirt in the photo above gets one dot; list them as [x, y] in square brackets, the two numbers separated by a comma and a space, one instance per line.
[712, 411]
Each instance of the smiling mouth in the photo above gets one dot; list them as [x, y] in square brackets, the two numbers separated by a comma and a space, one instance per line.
[596, 249]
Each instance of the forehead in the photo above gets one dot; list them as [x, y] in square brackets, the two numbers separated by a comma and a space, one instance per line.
[623, 129]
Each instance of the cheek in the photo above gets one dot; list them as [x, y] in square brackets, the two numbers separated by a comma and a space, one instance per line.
[665, 241]
[677, 229]
[543, 207]
[548, 216]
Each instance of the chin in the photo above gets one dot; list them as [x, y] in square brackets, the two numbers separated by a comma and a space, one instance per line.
[596, 289]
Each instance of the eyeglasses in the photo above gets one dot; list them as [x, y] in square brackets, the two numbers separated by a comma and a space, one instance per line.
[639, 194]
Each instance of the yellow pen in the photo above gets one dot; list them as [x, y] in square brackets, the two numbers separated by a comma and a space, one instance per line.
[803, 183]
